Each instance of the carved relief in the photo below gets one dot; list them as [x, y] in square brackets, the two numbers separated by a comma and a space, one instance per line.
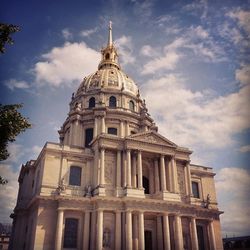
[112, 79]
[109, 167]
[150, 138]
[181, 179]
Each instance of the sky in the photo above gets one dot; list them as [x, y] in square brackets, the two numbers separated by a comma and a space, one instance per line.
[190, 60]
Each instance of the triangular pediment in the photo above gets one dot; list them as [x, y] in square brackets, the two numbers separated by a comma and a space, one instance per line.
[152, 137]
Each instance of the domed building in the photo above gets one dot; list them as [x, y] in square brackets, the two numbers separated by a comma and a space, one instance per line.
[113, 182]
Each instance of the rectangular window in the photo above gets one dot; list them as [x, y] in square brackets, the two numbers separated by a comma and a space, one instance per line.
[112, 131]
[70, 233]
[88, 136]
[75, 176]
[195, 189]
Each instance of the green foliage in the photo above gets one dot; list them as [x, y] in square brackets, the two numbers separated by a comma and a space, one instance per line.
[5, 31]
[12, 123]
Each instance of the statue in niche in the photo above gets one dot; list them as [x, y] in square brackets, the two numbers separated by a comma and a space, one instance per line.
[78, 106]
[208, 201]
[106, 238]
[61, 186]
[88, 191]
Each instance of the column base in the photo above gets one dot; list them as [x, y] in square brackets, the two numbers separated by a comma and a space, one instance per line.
[119, 192]
[134, 192]
[100, 191]
[165, 195]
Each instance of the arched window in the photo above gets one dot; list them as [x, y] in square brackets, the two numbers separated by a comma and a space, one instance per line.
[145, 183]
[131, 105]
[112, 131]
[107, 56]
[112, 102]
[75, 176]
[92, 102]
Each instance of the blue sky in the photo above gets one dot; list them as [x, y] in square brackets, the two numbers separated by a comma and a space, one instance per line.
[189, 58]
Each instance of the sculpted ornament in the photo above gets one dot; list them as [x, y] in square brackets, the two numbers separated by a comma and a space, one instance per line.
[150, 138]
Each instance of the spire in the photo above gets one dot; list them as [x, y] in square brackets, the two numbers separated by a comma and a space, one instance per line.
[110, 40]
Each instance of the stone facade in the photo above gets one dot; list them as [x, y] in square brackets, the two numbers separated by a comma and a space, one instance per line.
[113, 182]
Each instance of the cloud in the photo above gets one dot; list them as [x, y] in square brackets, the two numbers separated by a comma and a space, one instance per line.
[14, 84]
[125, 49]
[195, 117]
[8, 192]
[147, 50]
[243, 75]
[242, 17]
[195, 40]
[67, 35]
[89, 32]
[232, 185]
[66, 64]
[143, 9]
[245, 149]
[166, 62]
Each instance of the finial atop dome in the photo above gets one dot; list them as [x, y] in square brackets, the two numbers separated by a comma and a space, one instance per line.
[110, 40]
[109, 54]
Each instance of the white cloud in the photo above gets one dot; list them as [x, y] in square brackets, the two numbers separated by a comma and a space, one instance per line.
[196, 40]
[125, 49]
[242, 17]
[193, 118]
[243, 75]
[89, 32]
[232, 185]
[67, 34]
[14, 84]
[63, 65]
[147, 50]
[8, 192]
[166, 62]
[245, 149]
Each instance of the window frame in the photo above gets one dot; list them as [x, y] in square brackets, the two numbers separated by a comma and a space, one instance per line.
[75, 236]
[85, 142]
[71, 181]
[91, 102]
[198, 189]
[112, 102]
[114, 128]
[131, 105]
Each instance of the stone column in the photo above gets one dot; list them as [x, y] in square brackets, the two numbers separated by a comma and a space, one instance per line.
[211, 235]
[186, 181]
[178, 232]
[169, 177]
[134, 182]
[96, 127]
[141, 231]
[139, 162]
[93, 231]
[129, 242]
[103, 127]
[157, 178]
[102, 167]
[151, 180]
[124, 169]
[194, 238]
[118, 168]
[163, 174]
[166, 232]
[128, 152]
[127, 129]
[59, 230]
[159, 233]
[122, 128]
[118, 230]
[135, 232]
[174, 175]
[99, 229]
[189, 179]
[86, 230]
